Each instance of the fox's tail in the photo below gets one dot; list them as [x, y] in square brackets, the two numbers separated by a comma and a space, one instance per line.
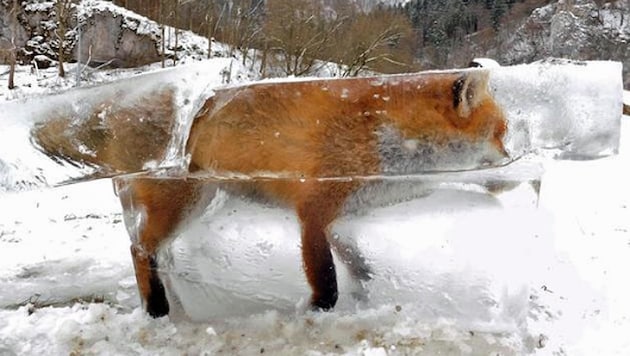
[117, 135]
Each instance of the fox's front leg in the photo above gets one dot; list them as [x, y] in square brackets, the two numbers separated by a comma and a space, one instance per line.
[318, 264]
[316, 213]
[153, 210]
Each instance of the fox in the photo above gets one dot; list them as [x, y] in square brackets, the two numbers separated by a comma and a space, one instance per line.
[315, 132]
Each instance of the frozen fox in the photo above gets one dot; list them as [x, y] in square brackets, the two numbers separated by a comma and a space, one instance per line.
[393, 125]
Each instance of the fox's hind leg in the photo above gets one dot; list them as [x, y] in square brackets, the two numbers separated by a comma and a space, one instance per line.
[359, 269]
[153, 209]
[351, 256]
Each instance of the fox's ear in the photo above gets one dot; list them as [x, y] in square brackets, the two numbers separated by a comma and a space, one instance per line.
[469, 90]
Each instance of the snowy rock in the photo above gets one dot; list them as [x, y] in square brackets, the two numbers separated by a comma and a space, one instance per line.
[7, 34]
[106, 39]
[108, 34]
[43, 61]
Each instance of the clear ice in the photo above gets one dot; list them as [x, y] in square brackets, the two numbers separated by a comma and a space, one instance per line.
[157, 107]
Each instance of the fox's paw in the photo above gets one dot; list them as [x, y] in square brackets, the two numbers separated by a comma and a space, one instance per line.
[324, 302]
[156, 303]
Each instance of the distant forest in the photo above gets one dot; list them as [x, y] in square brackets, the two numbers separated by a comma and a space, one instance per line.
[294, 34]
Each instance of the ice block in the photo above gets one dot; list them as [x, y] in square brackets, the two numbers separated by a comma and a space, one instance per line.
[441, 244]
[310, 156]
[220, 186]
[570, 109]
[143, 123]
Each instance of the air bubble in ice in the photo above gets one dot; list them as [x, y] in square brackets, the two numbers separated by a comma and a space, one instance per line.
[264, 248]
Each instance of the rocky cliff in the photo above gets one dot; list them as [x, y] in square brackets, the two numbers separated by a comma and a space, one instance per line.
[98, 31]
[576, 29]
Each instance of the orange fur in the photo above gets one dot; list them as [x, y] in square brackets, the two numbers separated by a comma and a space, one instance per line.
[119, 136]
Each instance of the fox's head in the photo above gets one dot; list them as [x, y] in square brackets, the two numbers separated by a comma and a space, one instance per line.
[452, 123]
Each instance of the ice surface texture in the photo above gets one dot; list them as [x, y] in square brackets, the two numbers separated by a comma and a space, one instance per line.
[572, 109]
[318, 148]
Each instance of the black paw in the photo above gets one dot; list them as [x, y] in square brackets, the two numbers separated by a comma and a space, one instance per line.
[157, 304]
[324, 303]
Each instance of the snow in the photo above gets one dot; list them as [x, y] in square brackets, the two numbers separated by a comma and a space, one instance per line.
[485, 62]
[612, 15]
[40, 6]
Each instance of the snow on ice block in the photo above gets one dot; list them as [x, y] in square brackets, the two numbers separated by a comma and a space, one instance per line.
[143, 123]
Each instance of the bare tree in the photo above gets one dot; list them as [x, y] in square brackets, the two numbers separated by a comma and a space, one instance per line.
[13, 48]
[213, 19]
[263, 58]
[176, 15]
[379, 41]
[12, 63]
[242, 25]
[209, 28]
[161, 18]
[79, 46]
[62, 9]
[298, 34]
